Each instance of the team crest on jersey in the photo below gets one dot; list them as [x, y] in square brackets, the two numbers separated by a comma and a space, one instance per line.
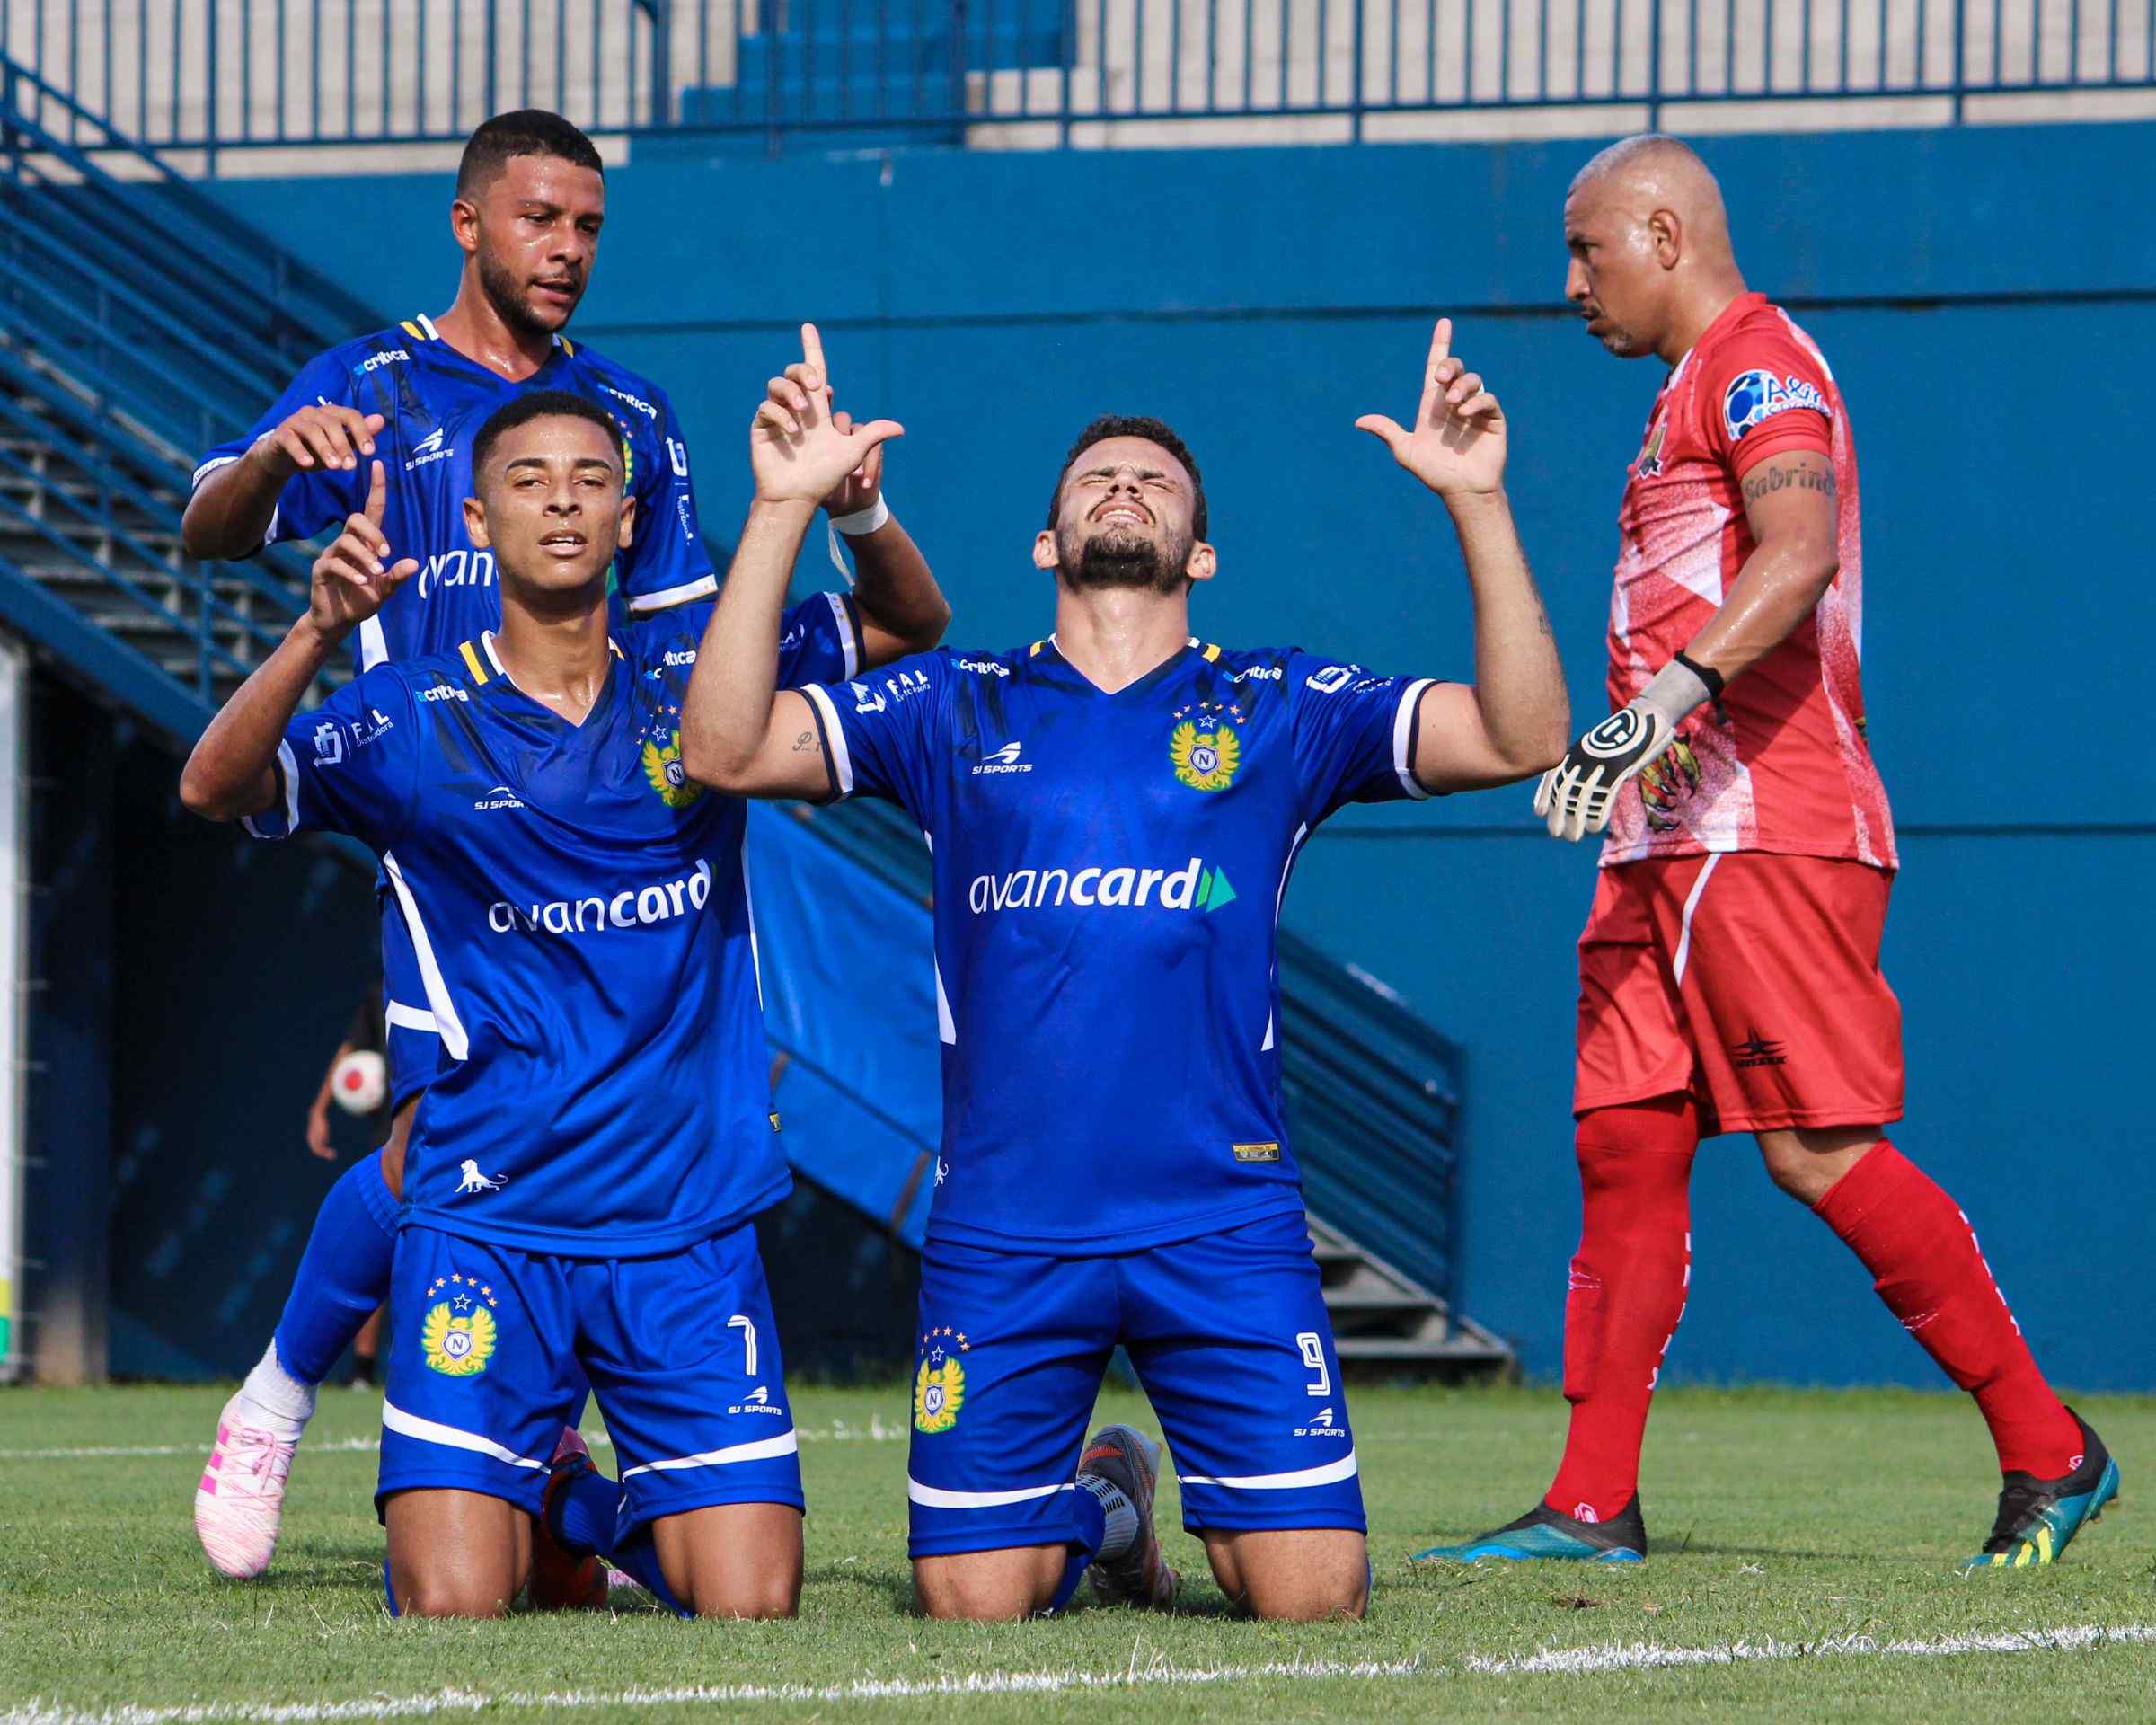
[668, 777]
[1205, 759]
[1665, 781]
[460, 1334]
[1649, 464]
[940, 1385]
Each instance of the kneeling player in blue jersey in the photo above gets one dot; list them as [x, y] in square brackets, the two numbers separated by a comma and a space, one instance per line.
[584, 1161]
[1113, 810]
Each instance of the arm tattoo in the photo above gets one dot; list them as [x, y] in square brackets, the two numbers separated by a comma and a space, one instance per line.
[1777, 477]
[806, 743]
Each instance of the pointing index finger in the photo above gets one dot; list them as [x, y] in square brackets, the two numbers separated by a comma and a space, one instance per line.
[1441, 347]
[377, 495]
[812, 350]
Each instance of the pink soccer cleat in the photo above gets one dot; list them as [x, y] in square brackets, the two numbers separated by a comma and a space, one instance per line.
[240, 1503]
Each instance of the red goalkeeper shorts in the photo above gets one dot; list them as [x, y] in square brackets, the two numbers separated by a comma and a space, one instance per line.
[1751, 981]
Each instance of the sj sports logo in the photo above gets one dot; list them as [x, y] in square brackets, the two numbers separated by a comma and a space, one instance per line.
[460, 1334]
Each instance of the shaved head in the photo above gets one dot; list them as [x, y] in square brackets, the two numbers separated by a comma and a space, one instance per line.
[1649, 239]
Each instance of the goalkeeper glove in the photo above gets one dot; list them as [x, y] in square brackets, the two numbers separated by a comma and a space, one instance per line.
[1576, 796]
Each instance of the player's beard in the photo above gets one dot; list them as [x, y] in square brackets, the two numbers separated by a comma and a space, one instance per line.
[1116, 559]
[505, 294]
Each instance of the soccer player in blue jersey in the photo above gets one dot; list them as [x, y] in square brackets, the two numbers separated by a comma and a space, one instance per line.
[580, 1181]
[1114, 812]
[531, 198]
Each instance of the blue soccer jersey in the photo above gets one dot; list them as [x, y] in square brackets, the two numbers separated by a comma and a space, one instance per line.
[580, 918]
[1109, 872]
[434, 400]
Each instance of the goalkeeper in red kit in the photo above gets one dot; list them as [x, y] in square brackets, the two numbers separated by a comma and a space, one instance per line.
[1729, 977]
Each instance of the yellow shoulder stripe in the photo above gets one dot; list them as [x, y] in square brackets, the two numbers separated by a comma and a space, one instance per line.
[568, 346]
[1034, 651]
[472, 663]
[412, 330]
[1212, 653]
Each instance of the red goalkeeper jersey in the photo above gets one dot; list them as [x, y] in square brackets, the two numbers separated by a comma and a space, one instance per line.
[1782, 764]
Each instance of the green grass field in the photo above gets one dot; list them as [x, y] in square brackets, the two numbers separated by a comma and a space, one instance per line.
[1803, 1568]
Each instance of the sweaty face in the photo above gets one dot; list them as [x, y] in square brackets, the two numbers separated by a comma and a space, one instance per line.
[1614, 280]
[1124, 519]
[539, 223]
[552, 505]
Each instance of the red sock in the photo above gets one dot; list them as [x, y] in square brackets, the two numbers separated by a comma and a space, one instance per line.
[1925, 1261]
[1628, 1286]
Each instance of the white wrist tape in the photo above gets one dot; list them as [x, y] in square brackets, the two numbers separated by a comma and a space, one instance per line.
[864, 522]
[1676, 689]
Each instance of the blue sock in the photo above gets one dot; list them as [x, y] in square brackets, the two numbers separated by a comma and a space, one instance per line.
[343, 1274]
[585, 1514]
[1090, 1527]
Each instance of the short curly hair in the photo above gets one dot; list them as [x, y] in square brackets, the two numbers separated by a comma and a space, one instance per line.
[1134, 425]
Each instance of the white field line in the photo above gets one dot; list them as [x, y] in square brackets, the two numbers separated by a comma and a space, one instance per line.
[838, 1432]
[1157, 1672]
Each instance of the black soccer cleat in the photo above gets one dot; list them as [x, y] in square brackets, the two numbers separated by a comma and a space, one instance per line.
[1129, 1460]
[2038, 1518]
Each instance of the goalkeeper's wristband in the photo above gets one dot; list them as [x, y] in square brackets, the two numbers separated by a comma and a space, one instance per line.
[1677, 688]
[862, 522]
[1706, 674]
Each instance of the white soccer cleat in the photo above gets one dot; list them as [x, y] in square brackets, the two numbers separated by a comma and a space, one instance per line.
[239, 1504]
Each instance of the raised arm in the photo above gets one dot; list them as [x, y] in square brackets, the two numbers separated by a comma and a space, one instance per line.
[233, 770]
[739, 733]
[902, 609]
[1510, 722]
[229, 515]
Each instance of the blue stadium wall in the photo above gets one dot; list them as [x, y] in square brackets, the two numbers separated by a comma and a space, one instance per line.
[1985, 298]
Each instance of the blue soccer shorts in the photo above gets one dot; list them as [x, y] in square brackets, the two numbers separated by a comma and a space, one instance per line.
[492, 1347]
[1231, 1340]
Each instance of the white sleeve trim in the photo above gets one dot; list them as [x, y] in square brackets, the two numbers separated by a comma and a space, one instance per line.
[842, 763]
[398, 1016]
[287, 773]
[849, 640]
[1403, 735]
[373, 645]
[211, 466]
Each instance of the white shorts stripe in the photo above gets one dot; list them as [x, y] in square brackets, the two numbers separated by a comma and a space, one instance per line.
[409, 1425]
[936, 1498]
[400, 1017]
[1691, 903]
[835, 733]
[701, 588]
[785, 1444]
[1330, 1474]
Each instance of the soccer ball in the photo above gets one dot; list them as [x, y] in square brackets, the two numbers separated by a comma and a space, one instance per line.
[361, 1082]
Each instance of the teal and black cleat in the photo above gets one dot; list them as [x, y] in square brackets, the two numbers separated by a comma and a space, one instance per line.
[1544, 1535]
[2038, 1518]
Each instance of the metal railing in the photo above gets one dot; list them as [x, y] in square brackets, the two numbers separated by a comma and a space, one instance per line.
[216, 76]
[139, 325]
